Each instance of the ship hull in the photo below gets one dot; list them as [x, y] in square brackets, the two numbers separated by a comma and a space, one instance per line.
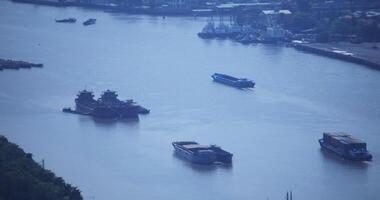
[343, 154]
[206, 35]
[204, 159]
[234, 82]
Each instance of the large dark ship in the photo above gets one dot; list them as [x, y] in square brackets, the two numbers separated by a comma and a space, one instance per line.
[200, 154]
[345, 146]
[232, 81]
[107, 106]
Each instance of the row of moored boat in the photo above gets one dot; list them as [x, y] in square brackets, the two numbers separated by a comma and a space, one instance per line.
[73, 20]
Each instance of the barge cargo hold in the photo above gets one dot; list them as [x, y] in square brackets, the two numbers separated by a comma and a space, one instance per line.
[232, 81]
[200, 154]
[346, 146]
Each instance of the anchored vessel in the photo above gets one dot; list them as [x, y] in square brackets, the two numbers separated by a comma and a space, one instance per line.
[89, 22]
[345, 146]
[201, 154]
[208, 31]
[107, 106]
[68, 20]
[232, 81]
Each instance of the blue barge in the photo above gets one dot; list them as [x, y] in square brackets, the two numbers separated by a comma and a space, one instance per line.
[345, 146]
[232, 81]
[201, 154]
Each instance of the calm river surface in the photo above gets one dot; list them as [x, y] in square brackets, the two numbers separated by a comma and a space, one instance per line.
[161, 63]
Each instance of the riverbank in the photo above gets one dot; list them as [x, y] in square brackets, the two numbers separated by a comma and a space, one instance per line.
[17, 64]
[125, 9]
[22, 178]
[364, 53]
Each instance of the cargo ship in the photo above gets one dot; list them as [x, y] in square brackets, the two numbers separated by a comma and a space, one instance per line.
[201, 154]
[232, 81]
[107, 106]
[345, 146]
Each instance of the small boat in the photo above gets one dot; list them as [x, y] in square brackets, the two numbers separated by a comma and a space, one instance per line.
[346, 146]
[89, 22]
[201, 154]
[68, 20]
[232, 81]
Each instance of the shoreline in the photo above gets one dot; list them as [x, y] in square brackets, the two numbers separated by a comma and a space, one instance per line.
[127, 10]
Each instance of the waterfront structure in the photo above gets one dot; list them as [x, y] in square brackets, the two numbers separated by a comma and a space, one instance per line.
[345, 146]
[107, 106]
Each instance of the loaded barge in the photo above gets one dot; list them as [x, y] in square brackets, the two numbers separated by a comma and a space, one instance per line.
[232, 81]
[201, 154]
[345, 146]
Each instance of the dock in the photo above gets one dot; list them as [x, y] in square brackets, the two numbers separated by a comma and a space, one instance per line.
[15, 64]
[367, 54]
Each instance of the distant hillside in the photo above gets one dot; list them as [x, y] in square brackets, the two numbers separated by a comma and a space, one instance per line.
[21, 178]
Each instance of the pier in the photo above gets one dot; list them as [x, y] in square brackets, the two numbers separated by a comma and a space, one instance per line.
[365, 54]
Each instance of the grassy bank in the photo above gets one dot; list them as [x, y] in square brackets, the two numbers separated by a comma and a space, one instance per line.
[21, 178]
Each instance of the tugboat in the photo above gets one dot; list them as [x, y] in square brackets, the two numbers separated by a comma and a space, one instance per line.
[200, 154]
[208, 31]
[89, 22]
[68, 20]
[232, 81]
[346, 146]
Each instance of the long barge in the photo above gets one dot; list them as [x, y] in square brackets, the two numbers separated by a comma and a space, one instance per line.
[201, 154]
[345, 146]
[232, 81]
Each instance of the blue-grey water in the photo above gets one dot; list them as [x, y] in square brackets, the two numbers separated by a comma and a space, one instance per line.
[161, 63]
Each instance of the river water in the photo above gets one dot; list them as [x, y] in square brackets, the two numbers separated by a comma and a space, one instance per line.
[272, 130]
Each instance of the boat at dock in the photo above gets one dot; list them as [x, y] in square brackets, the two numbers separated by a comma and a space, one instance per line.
[208, 31]
[68, 20]
[89, 22]
[201, 154]
[345, 146]
[232, 81]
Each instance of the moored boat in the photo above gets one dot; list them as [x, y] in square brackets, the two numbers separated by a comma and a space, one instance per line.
[89, 22]
[201, 154]
[68, 20]
[346, 146]
[208, 31]
[232, 81]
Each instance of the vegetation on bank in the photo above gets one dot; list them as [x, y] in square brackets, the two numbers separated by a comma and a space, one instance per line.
[21, 178]
[353, 24]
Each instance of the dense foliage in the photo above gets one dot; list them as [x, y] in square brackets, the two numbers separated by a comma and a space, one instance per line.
[21, 178]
